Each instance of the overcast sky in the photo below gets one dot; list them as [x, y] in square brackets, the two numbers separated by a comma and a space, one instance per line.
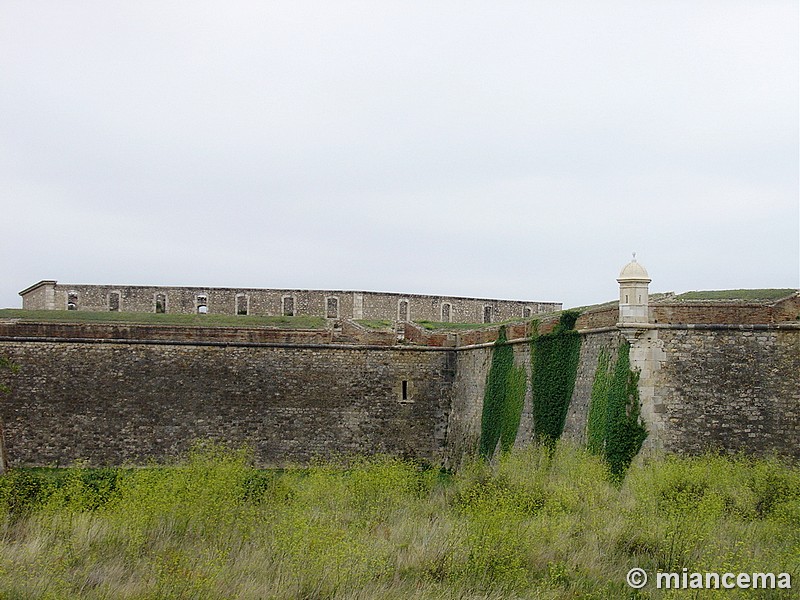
[514, 150]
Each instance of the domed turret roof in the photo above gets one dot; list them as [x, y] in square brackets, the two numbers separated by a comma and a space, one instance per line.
[633, 270]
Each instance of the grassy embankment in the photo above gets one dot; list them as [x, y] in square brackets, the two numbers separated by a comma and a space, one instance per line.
[528, 526]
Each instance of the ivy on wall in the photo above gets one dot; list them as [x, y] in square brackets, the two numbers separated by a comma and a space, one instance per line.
[554, 363]
[598, 405]
[615, 428]
[503, 399]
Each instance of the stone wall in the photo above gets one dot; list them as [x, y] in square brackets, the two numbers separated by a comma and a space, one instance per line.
[578, 414]
[704, 387]
[113, 402]
[728, 388]
[117, 393]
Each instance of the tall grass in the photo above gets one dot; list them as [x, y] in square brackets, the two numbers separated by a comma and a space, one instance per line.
[534, 524]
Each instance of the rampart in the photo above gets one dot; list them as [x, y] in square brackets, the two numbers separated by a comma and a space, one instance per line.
[116, 393]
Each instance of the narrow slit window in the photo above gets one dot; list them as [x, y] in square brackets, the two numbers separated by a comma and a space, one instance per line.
[404, 390]
[487, 314]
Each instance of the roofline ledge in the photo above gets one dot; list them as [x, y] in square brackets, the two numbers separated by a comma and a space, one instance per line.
[38, 284]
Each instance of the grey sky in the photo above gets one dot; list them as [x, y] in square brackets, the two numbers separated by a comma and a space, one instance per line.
[515, 149]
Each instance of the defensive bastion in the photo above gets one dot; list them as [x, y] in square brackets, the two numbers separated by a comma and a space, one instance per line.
[712, 374]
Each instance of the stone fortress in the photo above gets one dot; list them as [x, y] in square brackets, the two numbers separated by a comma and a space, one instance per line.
[713, 374]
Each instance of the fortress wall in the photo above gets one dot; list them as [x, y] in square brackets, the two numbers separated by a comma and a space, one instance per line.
[723, 388]
[711, 313]
[729, 389]
[578, 414]
[787, 310]
[464, 424]
[597, 318]
[111, 400]
[112, 403]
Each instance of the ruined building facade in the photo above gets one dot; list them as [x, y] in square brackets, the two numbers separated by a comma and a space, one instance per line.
[329, 304]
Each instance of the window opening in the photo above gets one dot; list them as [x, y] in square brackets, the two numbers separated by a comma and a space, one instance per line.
[288, 306]
[332, 308]
[113, 302]
[72, 301]
[241, 304]
[404, 390]
[202, 304]
[487, 314]
[161, 303]
[402, 311]
[526, 312]
[446, 307]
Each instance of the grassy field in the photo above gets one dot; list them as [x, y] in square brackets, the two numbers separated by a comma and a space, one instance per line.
[206, 320]
[529, 526]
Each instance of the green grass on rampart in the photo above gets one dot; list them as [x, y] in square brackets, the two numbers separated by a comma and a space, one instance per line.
[192, 320]
[534, 524]
[448, 326]
[767, 294]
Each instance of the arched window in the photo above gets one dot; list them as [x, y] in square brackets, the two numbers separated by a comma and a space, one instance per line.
[331, 307]
[288, 306]
[202, 304]
[242, 304]
[487, 314]
[402, 310]
[161, 303]
[447, 312]
[72, 301]
[113, 301]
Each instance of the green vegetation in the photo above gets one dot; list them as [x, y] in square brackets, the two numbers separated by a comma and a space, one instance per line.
[770, 294]
[503, 399]
[206, 320]
[554, 364]
[615, 429]
[597, 421]
[533, 524]
[446, 326]
[375, 323]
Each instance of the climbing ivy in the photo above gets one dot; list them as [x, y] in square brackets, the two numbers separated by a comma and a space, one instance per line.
[615, 428]
[515, 399]
[596, 427]
[502, 400]
[554, 363]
